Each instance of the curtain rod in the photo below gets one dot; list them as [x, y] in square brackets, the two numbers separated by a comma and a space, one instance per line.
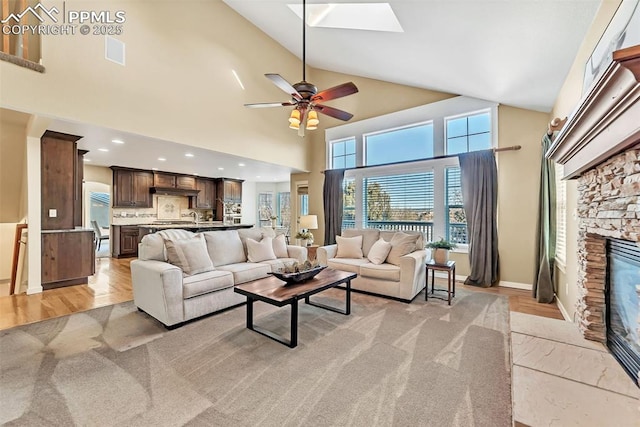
[495, 150]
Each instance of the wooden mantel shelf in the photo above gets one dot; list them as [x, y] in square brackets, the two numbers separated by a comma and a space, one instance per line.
[607, 120]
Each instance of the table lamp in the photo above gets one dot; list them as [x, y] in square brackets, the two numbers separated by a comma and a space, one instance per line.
[309, 222]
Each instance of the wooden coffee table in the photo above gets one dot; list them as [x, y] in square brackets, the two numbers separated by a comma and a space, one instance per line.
[272, 291]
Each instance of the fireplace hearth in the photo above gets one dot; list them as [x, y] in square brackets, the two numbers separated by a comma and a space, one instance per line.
[622, 295]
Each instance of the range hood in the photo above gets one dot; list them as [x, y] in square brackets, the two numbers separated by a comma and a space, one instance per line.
[170, 191]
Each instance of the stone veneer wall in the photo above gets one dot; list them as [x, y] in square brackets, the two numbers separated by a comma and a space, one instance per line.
[608, 206]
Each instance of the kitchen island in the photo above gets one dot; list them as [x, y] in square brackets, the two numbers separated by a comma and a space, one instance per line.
[191, 226]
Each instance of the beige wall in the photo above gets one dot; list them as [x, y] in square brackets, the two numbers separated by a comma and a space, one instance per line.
[177, 84]
[99, 174]
[13, 155]
[568, 98]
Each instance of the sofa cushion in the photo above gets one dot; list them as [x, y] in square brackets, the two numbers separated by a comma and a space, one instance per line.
[151, 247]
[379, 251]
[224, 247]
[189, 254]
[347, 264]
[388, 235]
[175, 234]
[255, 233]
[203, 283]
[280, 246]
[349, 247]
[369, 237]
[260, 251]
[382, 271]
[278, 264]
[246, 271]
[401, 245]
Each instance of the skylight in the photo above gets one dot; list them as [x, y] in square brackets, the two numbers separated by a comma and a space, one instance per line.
[353, 16]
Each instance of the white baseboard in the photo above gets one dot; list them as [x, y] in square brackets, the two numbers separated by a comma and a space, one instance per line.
[563, 310]
[515, 285]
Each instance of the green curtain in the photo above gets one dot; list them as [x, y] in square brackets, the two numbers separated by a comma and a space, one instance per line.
[543, 287]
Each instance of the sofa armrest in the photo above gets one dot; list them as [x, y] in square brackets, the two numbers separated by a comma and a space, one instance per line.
[412, 273]
[297, 252]
[157, 290]
[325, 253]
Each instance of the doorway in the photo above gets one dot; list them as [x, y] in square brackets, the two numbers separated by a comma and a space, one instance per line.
[98, 208]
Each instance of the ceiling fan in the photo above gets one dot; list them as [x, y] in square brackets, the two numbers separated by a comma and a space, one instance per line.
[305, 96]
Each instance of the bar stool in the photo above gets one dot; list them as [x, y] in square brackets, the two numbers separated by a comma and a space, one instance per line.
[450, 268]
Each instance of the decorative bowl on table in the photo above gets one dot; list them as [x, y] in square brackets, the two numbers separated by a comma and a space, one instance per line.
[294, 278]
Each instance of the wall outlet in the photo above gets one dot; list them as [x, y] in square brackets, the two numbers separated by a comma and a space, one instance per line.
[124, 214]
[136, 214]
[53, 213]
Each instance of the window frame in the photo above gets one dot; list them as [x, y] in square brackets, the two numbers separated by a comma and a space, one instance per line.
[395, 129]
[331, 153]
[434, 113]
[492, 128]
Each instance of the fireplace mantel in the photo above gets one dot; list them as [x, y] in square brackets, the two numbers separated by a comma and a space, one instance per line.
[607, 120]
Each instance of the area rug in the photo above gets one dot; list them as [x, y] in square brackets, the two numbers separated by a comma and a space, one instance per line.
[388, 363]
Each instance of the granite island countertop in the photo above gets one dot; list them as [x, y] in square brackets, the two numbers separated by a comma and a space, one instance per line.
[67, 230]
[201, 226]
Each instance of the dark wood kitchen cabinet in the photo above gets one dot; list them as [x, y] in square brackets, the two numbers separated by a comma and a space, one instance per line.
[206, 198]
[61, 181]
[186, 182]
[68, 257]
[229, 190]
[164, 180]
[131, 188]
[125, 241]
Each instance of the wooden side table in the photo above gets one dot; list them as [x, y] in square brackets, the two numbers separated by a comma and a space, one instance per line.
[312, 252]
[450, 268]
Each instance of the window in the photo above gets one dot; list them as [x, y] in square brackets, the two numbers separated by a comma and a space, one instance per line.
[265, 209]
[400, 202]
[407, 182]
[399, 145]
[561, 216]
[343, 154]
[284, 209]
[456, 226]
[349, 203]
[469, 133]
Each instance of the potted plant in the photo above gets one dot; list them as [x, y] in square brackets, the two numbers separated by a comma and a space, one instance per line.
[304, 236]
[274, 221]
[441, 250]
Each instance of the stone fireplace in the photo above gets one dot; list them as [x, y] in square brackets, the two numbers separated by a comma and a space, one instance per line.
[600, 147]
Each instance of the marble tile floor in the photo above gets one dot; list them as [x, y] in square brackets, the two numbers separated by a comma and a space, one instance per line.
[561, 379]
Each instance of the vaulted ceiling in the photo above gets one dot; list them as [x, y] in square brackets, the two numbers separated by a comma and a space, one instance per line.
[513, 52]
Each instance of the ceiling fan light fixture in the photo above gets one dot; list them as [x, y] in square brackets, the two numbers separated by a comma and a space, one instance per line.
[294, 125]
[294, 119]
[312, 120]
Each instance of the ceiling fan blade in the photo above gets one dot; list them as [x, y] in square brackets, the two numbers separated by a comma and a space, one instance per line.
[279, 81]
[269, 104]
[335, 92]
[333, 112]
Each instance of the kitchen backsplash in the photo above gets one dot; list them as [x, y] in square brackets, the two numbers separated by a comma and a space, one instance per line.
[133, 216]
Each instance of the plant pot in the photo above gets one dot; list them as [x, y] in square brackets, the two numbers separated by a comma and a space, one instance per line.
[441, 256]
[274, 223]
[303, 242]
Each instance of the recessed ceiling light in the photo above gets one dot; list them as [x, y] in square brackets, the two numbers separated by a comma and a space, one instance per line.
[117, 141]
[162, 159]
[154, 169]
[220, 169]
[241, 164]
[188, 155]
[104, 150]
[257, 176]
[195, 174]
[86, 160]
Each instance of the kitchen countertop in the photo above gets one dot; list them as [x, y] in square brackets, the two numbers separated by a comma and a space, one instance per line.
[191, 225]
[71, 230]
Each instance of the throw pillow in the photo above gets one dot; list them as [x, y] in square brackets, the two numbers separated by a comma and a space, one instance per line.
[225, 247]
[379, 251]
[260, 251]
[349, 247]
[401, 245]
[280, 246]
[189, 254]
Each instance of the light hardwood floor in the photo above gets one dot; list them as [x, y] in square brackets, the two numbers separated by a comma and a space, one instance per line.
[112, 284]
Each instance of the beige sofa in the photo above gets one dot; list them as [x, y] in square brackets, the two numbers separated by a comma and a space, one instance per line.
[163, 291]
[402, 282]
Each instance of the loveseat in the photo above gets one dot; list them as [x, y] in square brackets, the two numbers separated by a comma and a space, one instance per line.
[180, 275]
[399, 274]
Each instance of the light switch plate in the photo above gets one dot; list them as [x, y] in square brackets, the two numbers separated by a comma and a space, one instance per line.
[53, 213]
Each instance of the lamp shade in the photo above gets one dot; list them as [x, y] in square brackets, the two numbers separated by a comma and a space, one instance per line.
[310, 222]
[312, 120]
[295, 117]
